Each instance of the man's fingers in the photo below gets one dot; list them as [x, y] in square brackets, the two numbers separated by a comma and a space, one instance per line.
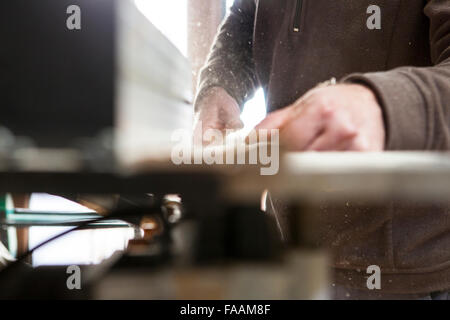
[328, 142]
[234, 124]
[338, 136]
[297, 135]
[215, 123]
[216, 110]
[301, 131]
[275, 120]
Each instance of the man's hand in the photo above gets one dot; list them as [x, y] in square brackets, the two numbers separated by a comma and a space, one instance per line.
[344, 117]
[216, 110]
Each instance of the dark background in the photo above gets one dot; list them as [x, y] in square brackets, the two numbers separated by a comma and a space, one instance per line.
[56, 84]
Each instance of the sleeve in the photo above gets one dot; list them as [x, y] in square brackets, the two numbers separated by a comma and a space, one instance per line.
[416, 100]
[230, 63]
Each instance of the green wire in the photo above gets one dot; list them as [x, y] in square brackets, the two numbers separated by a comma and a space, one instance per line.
[6, 204]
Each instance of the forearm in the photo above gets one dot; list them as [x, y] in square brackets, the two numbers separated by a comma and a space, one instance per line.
[416, 101]
[230, 64]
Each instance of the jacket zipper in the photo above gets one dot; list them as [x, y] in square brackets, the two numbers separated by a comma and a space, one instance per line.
[298, 15]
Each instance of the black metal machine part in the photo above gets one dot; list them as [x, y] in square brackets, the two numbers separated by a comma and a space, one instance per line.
[57, 84]
[224, 233]
[241, 234]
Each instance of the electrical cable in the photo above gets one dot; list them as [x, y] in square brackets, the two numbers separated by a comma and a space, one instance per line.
[122, 214]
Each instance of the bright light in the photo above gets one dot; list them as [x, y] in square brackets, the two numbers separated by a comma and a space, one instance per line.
[80, 247]
[170, 17]
[47, 202]
[254, 111]
[229, 3]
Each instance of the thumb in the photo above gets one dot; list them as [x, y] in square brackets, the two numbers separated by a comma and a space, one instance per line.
[275, 120]
[235, 123]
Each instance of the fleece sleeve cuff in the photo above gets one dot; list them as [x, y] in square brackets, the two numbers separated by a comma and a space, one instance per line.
[404, 109]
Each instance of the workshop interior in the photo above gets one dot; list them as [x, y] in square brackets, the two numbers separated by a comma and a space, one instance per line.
[92, 205]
